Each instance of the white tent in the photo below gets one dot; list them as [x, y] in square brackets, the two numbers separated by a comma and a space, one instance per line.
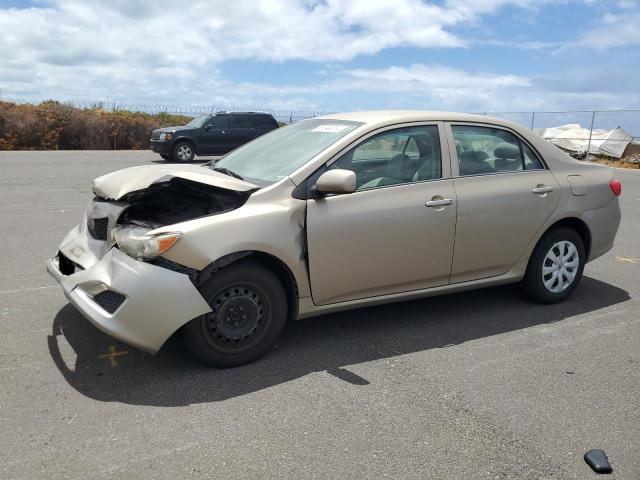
[574, 138]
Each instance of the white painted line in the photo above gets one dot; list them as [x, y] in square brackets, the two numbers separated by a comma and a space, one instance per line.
[26, 289]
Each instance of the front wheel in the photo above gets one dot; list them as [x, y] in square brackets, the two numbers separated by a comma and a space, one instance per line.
[183, 152]
[556, 266]
[249, 312]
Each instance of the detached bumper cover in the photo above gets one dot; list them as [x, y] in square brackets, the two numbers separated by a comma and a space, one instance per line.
[157, 301]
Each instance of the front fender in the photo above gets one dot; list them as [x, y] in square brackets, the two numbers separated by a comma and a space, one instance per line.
[271, 221]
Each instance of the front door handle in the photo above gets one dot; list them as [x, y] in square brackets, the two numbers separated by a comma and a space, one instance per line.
[439, 203]
[542, 189]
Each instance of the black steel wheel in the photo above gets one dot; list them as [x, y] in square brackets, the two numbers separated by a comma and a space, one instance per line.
[248, 314]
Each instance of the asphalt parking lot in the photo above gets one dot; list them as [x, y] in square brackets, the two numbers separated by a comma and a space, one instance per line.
[473, 385]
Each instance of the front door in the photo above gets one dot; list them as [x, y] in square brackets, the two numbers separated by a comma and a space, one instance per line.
[395, 233]
[214, 138]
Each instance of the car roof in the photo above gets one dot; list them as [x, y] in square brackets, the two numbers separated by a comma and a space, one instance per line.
[375, 117]
[242, 113]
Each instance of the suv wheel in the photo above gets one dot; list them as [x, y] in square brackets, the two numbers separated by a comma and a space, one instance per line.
[249, 312]
[556, 266]
[183, 152]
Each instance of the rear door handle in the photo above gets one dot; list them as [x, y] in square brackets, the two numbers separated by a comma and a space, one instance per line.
[540, 189]
[439, 203]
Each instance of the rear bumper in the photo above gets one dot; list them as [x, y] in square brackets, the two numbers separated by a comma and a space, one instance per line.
[156, 302]
[603, 224]
[163, 148]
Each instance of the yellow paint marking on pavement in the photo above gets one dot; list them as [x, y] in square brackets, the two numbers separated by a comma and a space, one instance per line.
[634, 261]
[113, 353]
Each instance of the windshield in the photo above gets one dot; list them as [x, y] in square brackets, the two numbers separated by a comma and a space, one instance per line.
[199, 121]
[282, 151]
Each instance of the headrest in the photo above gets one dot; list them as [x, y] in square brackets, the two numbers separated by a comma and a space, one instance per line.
[473, 156]
[399, 167]
[507, 151]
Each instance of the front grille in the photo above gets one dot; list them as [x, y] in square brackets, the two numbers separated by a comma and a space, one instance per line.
[98, 227]
[109, 300]
[155, 136]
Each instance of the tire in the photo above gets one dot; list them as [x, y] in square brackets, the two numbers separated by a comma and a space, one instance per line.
[227, 337]
[183, 152]
[561, 277]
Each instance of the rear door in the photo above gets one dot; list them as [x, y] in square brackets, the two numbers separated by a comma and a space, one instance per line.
[262, 124]
[505, 195]
[240, 129]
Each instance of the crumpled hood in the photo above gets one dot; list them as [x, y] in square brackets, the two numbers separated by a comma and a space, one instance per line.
[115, 185]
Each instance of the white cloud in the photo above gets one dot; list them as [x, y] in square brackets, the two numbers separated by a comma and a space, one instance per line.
[438, 87]
[167, 51]
[134, 47]
[614, 30]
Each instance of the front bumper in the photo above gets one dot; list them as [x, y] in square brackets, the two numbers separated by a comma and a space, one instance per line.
[157, 301]
[161, 147]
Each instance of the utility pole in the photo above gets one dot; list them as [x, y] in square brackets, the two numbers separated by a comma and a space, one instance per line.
[593, 116]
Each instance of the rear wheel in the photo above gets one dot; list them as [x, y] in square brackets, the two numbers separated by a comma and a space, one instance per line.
[183, 152]
[249, 312]
[556, 266]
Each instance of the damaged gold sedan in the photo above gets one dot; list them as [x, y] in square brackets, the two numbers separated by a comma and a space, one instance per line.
[327, 214]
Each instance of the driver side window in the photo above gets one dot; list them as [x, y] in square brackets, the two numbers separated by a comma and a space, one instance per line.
[218, 122]
[403, 155]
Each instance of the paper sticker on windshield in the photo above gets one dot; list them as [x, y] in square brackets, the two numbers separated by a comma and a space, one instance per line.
[330, 128]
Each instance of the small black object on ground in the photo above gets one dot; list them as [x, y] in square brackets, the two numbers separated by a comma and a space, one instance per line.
[598, 461]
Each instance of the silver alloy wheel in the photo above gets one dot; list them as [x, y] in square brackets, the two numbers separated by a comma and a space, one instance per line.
[184, 152]
[560, 266]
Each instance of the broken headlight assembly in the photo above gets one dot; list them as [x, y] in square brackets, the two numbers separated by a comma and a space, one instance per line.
[137, 242]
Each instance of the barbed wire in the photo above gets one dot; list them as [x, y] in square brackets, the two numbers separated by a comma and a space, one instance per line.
[291, 115]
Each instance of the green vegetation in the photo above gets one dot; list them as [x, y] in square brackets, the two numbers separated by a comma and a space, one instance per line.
[54, 125]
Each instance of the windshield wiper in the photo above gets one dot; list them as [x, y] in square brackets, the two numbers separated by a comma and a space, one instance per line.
[226, 171]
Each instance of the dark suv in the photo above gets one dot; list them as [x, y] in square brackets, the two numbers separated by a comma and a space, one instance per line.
[210, 134]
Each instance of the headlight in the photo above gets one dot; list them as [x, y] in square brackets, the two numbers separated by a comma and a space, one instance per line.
[138, 243]
[162, 136]
[168, 136]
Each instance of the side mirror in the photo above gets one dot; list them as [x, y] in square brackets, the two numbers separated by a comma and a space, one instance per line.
[208, 127]
[336, 181]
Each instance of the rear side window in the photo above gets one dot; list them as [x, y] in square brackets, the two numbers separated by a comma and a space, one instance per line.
[263, 121]
[483, 150]
[239, 121]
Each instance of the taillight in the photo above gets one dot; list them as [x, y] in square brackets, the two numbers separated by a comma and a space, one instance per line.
[616, 187]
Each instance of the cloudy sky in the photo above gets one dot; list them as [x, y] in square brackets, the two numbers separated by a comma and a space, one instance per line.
[480, 55]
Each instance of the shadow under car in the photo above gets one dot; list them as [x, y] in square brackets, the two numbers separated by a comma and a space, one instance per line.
[104, 369]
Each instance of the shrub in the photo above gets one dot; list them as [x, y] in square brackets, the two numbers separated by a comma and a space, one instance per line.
[53, 125]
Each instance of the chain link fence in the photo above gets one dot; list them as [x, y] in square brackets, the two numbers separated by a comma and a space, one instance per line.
[586, 132]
